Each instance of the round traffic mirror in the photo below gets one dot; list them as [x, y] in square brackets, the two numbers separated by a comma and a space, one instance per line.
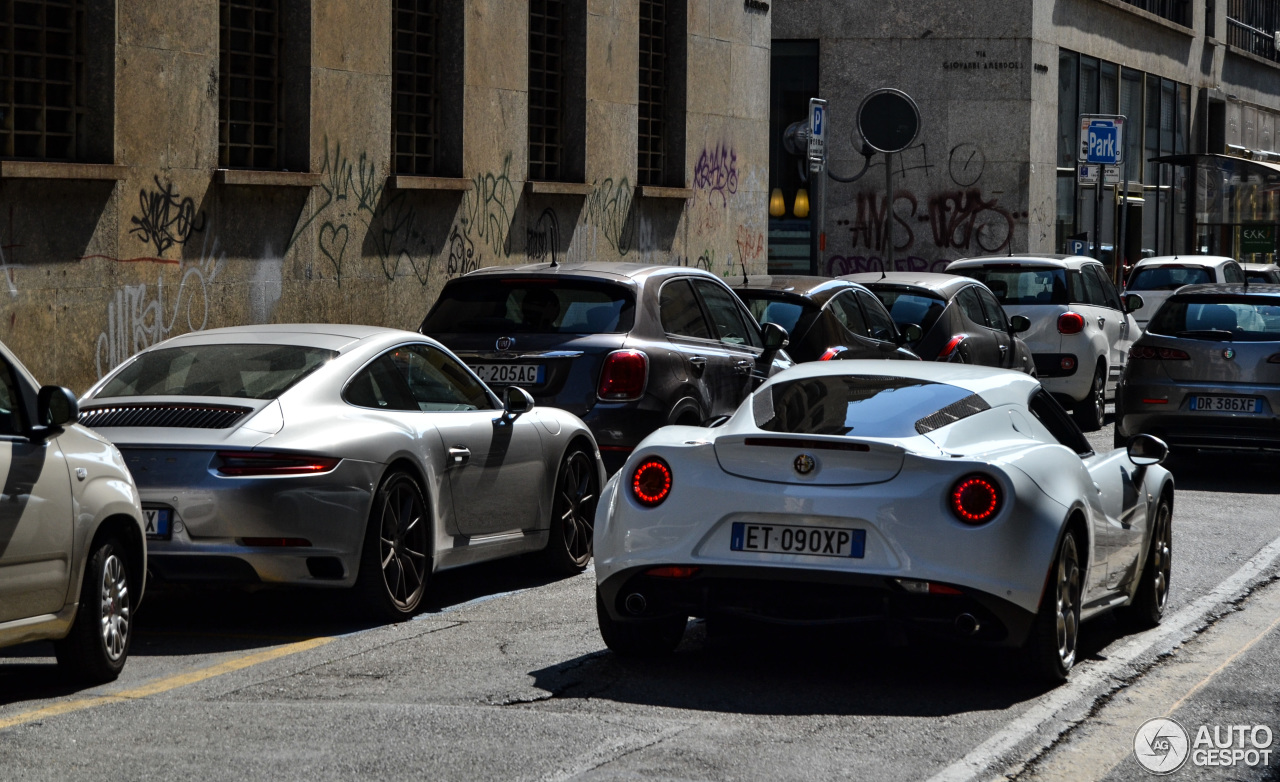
[888, 120]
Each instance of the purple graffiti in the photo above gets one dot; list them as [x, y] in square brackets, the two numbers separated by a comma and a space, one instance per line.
[838, 265]
[717, 172]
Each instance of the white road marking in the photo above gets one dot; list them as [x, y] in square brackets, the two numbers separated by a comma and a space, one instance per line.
[1170, 633]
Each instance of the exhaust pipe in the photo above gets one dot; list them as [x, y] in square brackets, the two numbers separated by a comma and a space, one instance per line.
[635, 604]
[967, 625]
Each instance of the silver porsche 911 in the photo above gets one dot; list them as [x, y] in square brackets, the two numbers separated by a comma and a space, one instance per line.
[341, 456]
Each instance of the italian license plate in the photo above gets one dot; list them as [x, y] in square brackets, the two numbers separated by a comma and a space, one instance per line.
[511, 374]
[1225, 404]
[159, 523]
[788, 539]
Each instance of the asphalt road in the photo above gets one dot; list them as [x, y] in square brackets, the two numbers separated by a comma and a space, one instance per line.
[505, 677]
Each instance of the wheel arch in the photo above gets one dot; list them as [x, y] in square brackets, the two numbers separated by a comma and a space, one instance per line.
[1077, 525]
[125, 529]
[685, 407]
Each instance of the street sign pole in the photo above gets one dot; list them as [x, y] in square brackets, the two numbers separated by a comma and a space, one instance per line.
[1102, 142]
[887, 264]
[1124, 227]
[1097, 219]
[819, 119]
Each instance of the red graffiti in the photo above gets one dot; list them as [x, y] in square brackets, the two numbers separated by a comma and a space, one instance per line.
[750, 245]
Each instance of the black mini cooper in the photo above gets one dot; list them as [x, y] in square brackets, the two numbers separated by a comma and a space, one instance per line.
[626, 347]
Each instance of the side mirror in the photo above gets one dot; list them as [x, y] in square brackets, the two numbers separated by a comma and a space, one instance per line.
[1145, 450]
[1132, 302]
[1019, 323]
[775, 337]
[911, 333]
[516, 401]
[56, 406]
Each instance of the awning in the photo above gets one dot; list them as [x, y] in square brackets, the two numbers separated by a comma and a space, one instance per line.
[1209, 158]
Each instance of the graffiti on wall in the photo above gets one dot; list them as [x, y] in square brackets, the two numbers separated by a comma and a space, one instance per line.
[716, 173]
[164, 219]
[608, 209]
[859, 264]
[544, 237]
[487, 211]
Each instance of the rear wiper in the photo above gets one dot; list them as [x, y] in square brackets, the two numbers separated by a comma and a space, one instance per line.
[1221, 334]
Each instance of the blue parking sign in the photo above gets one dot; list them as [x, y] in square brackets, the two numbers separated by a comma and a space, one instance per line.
[1102, 139]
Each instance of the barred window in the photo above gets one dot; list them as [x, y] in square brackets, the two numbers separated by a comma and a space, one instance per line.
[1252, 25]
[1173, 10]
[41, 75]
[250, 98]
[416, 76]
[546, 88]
[653, 85]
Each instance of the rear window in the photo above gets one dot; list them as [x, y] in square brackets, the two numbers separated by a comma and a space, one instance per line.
[540, 306]
[862, 406]
[1020, 285]
[241, 371]
[770, 309]
[1167, 278]
[905, 306]
[1239, 318]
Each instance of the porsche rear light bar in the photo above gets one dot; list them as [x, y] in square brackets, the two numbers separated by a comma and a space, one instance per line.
[1070, 323]
[624, 376]
[651, 482]
[975, 499]
[250, 464]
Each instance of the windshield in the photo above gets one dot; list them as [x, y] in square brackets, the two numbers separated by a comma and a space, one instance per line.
[1023, 284]
[909, 307]
[539, 306]
[1167, 278]
[241, 371]
[863, 406]
[768, 309]
[1237, 318]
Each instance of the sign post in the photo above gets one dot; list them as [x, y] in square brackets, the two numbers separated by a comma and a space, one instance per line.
[817, 154]
[1102, 144]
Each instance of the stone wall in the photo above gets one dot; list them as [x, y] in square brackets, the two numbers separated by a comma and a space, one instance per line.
[98, 269]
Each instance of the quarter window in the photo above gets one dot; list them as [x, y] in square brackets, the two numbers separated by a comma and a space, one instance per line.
[995, 313]
[845, 308]
[971, 306]
[1093, 293]
[1054, 418]
[437, 382]
[380, 386]
[879, 323]
[681, 315]
[723, 307]
[1232, 273]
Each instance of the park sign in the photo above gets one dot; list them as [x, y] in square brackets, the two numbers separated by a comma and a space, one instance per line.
[1101, 139]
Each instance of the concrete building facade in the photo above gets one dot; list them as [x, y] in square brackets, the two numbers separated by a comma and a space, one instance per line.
[1000, 87]
[171, 167]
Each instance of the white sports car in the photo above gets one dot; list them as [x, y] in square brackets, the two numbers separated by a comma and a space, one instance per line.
[950, 498]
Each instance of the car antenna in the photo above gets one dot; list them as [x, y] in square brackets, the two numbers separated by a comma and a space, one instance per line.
[883, 272]
[743, 263]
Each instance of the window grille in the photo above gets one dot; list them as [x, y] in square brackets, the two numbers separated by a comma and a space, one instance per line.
[653, 91]
[41, 75]
[546, 89]
[1173, 10]
[416, 78]
[251, 110]
[1252, 26]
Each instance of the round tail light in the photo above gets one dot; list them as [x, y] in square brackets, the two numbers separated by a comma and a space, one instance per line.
[1070, 323]
[975, 499]
[651, 482]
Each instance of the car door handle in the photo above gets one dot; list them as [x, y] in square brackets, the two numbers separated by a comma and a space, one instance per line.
[459, 455]
[1004, 349]
[742, 366]
[1102, 322]
[1097, 486]
[698, 363]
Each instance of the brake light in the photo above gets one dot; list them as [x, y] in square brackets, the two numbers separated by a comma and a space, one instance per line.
[651, 482]
[246, 464]
[1148, 352]
[975, 499]
[832, 352]
[673, 571]
[950, 347]
[1070, 323]
[624, 376]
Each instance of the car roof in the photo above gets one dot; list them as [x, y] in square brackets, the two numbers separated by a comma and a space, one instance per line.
[1268, 289]
[607, 270]
[1029, 259]
[817, 288]
[1213, 261]
[329, 336]
[996, 386]
[946, 284]
[1259, 267]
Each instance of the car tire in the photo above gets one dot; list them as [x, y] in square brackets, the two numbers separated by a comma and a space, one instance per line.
[1118, 439]
[1091, 411]
[573, 513]
[640, 637]
[95, 650]
[395, 561]
[1152, 595]
[1051, 649]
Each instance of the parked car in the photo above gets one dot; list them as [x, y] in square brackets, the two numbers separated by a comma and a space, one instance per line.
[826, 319]
[1261, 272]
[626, 347]
[1206, 374]
[959, 320]
[73, 564]
[1080, 330]
[341, 456]
[962, 501]
[1157, 278]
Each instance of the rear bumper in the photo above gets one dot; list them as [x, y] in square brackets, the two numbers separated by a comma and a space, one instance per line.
[798, 596]
[1177, 424]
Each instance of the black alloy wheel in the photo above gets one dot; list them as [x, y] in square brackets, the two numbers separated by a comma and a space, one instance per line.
[1051, 649]
[573, 513]
[395, 562]
[1153, 589]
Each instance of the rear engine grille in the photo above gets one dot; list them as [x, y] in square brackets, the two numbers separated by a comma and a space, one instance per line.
[173, 416]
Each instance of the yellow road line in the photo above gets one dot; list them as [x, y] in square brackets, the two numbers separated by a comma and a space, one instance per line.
[1219, 669]
[164, 685]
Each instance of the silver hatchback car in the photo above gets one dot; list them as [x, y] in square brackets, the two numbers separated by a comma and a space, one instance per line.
[1207, 372]
[72, 557]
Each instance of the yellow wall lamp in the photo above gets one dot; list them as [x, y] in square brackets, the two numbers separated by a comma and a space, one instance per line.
[778, 204]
